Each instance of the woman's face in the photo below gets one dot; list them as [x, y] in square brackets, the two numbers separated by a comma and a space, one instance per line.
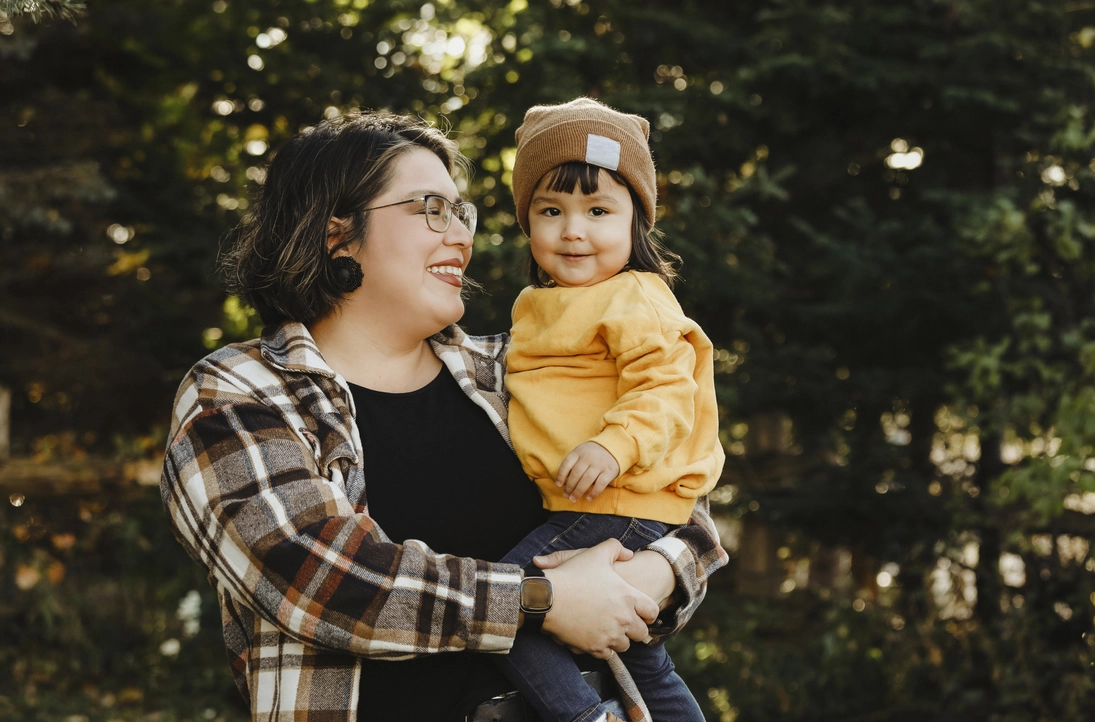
[413, 275]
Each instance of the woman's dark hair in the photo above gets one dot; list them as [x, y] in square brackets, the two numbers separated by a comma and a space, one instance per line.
[648, 253]
[277, 260]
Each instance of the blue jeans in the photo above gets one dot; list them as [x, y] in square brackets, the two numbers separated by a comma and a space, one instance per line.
[546, 674]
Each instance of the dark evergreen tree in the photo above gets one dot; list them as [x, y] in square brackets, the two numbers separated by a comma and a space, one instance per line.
[885, 215]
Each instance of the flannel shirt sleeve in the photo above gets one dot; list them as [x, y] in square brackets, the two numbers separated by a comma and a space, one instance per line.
[245, 498]
[695, 553]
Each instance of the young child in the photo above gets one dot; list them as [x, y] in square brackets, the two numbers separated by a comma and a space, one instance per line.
[612, 400]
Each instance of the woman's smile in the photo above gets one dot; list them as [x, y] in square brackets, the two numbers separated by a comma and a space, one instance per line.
[450, 272]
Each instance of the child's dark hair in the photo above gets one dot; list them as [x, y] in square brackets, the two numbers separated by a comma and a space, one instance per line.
[648, 253]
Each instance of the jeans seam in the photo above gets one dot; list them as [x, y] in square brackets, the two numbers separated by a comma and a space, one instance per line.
[564, 532]
[638, 529]
[589, 713]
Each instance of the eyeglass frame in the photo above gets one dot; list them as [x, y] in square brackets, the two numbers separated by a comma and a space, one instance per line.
[447, 203]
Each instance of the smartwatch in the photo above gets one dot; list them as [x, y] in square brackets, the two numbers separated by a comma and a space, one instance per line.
[536, 598]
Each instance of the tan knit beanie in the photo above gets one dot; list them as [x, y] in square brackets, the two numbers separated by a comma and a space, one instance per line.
[586, 131]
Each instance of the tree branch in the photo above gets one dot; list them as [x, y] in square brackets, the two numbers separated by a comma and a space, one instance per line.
[37, 9]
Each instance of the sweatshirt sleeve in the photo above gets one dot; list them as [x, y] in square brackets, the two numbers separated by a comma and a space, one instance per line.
[655, 410]
[245, 498]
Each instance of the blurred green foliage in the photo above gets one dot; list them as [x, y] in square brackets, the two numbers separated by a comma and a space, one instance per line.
[105, 616]
[885, 213]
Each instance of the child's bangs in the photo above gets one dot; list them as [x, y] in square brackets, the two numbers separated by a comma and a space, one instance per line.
[564, 178]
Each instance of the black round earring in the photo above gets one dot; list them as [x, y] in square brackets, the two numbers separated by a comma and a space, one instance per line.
[348, 274]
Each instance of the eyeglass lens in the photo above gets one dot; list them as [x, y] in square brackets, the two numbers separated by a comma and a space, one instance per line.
[439, 212]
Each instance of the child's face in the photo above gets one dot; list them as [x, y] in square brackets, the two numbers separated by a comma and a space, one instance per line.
[581, 240]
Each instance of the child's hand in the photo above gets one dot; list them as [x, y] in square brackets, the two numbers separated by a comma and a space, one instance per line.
[587, 470]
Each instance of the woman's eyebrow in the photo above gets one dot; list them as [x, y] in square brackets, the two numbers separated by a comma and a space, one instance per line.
[427, 192]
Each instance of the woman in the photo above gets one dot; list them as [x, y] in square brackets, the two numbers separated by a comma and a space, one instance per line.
[354, 257]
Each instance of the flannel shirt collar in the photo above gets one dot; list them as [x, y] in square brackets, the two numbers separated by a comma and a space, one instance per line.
[291, 347]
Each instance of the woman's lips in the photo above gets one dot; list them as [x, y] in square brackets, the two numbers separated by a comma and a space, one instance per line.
[452, 275]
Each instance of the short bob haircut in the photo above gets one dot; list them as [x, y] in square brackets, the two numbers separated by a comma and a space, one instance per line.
[648, 253]
[278, 260]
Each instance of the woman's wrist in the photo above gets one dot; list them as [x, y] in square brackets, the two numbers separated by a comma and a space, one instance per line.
[650, 573]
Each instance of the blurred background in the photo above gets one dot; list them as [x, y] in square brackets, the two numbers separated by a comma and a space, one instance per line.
[886, 219]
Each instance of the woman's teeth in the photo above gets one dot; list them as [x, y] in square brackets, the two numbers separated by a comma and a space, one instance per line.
[450, 270]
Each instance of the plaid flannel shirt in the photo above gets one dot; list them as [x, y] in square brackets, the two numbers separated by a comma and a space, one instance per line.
[264, 486]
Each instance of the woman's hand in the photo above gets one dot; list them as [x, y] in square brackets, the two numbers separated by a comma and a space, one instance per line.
[595, 610]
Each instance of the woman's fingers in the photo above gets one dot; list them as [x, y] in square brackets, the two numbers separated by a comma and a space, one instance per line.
[550, 561]
[647, 609]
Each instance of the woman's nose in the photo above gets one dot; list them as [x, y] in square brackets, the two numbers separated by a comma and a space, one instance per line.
[458, 235]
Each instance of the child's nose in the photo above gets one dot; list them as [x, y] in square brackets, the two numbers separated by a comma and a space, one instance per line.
[574, 230]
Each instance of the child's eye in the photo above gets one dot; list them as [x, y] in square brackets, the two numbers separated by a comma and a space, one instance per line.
[551, 212]
[598, 212]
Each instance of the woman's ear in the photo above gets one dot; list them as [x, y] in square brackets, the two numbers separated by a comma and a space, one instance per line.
[335, 228]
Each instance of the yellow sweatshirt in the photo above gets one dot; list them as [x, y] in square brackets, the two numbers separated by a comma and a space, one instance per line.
[620, 364]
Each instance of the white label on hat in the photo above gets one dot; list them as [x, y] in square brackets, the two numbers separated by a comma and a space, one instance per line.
[602, 151]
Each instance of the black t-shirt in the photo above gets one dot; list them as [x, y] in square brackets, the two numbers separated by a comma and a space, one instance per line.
[437, 470]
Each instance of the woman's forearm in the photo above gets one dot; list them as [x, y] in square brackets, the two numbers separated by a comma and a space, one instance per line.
[694, 553]
[651, 574]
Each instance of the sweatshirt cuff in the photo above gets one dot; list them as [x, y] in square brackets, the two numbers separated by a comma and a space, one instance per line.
[620, 444]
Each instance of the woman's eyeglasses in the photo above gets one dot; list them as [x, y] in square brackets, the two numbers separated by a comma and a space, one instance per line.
[439, 211]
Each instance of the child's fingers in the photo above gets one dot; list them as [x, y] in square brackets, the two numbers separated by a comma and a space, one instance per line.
[603, 480]
[594, 481]
[589, 476]
[566, 468]
[581, 477]
[578, 470]
[586, 472]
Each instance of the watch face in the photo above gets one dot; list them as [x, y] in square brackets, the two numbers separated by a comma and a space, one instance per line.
[536, 595]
